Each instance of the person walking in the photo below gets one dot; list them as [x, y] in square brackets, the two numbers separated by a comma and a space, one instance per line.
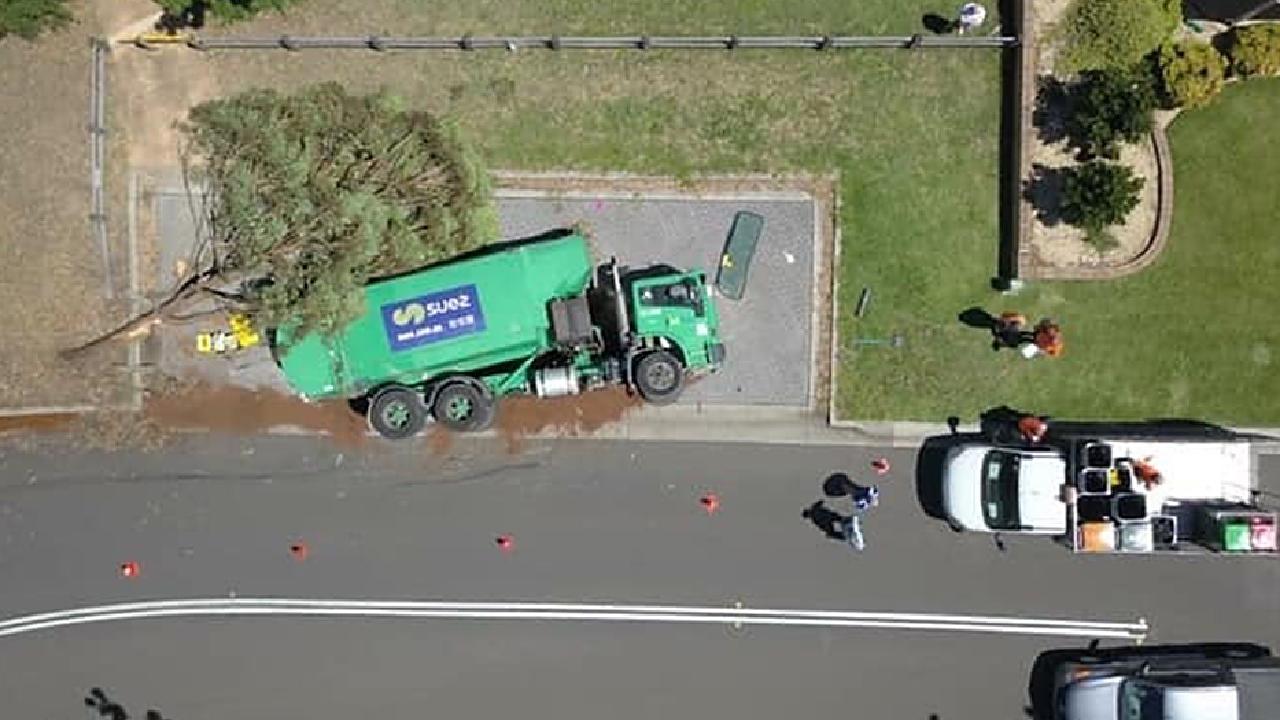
[864, 497]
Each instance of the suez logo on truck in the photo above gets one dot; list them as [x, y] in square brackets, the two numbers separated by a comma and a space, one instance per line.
[431, 318]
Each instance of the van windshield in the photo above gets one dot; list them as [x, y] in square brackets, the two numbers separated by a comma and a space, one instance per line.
[1000, 490]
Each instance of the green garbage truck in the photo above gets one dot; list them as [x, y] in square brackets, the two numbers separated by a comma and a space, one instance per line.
[532, 316]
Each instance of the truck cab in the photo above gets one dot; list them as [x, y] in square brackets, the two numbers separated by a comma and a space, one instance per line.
[990, 488]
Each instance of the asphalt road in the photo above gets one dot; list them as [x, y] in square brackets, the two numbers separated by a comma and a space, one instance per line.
[591, 522]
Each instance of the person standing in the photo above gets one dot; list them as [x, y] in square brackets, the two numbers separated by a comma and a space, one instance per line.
[1048, 338]
[972, 15]
[1009, 330]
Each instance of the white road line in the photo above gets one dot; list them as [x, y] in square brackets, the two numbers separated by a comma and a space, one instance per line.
[221, 607]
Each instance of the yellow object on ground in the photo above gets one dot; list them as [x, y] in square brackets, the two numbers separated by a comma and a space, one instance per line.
[243, 330]
[240, 336]
[163, 38]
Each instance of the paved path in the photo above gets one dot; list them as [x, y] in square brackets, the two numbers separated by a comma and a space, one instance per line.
[591, 522]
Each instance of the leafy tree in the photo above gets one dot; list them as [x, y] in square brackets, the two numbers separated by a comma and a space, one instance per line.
[1191, 73]
[229, 10]
[28, 18]
[312, 195]
[321, 191]
[1100, 34]
[1109, 107]
[1097, 195]
[1255, 49]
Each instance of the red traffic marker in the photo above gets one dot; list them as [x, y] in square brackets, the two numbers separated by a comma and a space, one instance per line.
[710, 502]
[505, 543]
[299, 551]
[130, 569]
[880, 465]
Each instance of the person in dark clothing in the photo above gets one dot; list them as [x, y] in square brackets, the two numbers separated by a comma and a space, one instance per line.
[1009, 330]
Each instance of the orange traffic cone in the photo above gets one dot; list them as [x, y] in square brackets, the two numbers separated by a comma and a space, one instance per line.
[710, 502]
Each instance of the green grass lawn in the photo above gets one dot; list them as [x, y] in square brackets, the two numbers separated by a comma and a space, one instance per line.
[1192, 336]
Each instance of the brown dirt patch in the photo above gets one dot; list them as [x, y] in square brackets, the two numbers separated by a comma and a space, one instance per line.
[439, 441]
[241, 411]
[521, 416]
[44, 422]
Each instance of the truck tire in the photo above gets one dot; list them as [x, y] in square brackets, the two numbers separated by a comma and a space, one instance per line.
[397, 412]
[462, 408]
[659, 377]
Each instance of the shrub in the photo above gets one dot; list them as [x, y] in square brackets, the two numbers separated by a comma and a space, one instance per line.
[1109, 107]
[29, 18]
[1097, 195]
[1191, 73]
[1255, 50]
[1099, 34]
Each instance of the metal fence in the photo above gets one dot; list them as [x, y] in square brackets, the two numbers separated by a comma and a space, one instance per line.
[628, 42]
[97, 157]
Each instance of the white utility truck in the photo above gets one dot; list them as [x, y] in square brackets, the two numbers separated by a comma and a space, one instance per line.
[1130, 487]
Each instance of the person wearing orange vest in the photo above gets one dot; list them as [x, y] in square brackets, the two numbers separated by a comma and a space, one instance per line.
[1048, 338]
[1147, 473]
[1032, 429]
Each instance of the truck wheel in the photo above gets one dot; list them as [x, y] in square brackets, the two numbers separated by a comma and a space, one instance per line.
[462, 408]
[659, 378]
[397, 413]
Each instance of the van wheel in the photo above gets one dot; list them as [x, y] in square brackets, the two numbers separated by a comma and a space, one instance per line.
[462, 408]
[659, 377]
[397, 412]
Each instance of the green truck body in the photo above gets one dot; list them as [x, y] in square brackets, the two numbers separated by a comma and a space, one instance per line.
[531, 316]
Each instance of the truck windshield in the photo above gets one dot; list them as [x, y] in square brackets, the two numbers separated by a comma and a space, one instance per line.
[1000, 490]
[1140, 701]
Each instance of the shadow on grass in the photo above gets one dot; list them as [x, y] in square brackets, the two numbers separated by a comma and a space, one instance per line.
[1044, 191]
[936, 24]
[1051, 115]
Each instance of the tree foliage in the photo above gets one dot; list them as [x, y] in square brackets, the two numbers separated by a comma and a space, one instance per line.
[318, 192]
[1109, 107]
[229, 10]
[29, 18]
[1101, 34]
[1191, 73]
[1255, 49]
[1097, 195]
